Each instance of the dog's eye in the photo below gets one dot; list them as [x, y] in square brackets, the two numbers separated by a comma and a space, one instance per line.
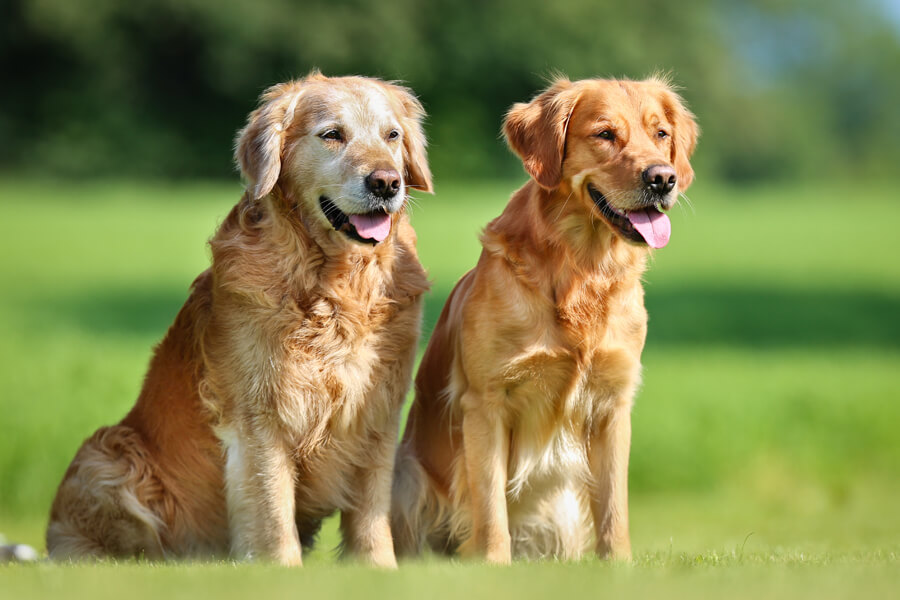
[393, 135]
[607, 134]
[662, 134]
[332, 134]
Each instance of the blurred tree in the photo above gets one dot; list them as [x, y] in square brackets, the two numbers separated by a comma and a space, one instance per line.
[158, 87]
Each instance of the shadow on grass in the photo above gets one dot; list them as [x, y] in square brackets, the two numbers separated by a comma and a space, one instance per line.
[126, 312]
[733, 316]
[764, 318]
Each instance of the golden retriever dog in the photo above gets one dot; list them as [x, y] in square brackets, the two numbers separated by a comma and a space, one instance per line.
[519, 434]
[275, 397]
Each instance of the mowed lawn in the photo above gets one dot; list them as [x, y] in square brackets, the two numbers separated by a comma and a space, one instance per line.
[766, 451]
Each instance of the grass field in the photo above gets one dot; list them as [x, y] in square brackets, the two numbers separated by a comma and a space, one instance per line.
[766, 454]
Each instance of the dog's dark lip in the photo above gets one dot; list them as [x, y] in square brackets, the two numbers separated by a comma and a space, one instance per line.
[341, 222]
[617, 221]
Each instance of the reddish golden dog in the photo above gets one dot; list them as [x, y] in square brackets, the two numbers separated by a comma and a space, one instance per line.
[274, 398]
[520, 431]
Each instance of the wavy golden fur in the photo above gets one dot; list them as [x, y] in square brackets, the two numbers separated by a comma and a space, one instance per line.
[274, 398]
[519, 435]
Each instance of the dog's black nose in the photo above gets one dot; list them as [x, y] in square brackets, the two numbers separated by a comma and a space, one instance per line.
[660, 179]
[384, 183]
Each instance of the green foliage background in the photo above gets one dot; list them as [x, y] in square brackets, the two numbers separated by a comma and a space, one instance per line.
[158, 87]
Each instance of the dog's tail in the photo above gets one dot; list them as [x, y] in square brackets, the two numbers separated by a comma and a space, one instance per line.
[420, 515]
[408, 503]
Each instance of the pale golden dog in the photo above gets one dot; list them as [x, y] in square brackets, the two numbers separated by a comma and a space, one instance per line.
[521, 428]
[275, 397]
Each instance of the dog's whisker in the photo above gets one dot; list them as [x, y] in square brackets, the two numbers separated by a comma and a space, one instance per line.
[412, 201]
[687, 201]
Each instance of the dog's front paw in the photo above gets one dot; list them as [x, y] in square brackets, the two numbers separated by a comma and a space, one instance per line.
[499, 556]
[290, 559]
[619, 551]
[383, 560]
[498, 550]
[286, 556]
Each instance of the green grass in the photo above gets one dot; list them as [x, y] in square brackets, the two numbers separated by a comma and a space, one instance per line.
[707, 576]
[766, 452]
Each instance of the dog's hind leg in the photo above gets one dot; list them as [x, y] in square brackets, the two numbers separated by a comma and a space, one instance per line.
[109, 502]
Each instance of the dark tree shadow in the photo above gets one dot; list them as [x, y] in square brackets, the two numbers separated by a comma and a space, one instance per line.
[759, 317]
[129, 311]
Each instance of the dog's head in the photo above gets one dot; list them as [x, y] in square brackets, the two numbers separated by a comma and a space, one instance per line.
[620, 147]
[341, 150]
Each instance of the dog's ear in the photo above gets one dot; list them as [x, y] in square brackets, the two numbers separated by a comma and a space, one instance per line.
[259, 145]
[537, 131]
[684, 136]
[415, 158]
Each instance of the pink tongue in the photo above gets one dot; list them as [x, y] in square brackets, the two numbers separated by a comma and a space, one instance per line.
[374, 227]
[653, 225]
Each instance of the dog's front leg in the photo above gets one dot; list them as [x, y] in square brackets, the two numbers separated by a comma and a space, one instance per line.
[610, 443]
[486, 448]
[366, 527]
[259, 483]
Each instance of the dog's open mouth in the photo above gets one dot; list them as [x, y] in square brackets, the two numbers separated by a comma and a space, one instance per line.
[645, 226]
[368, 228]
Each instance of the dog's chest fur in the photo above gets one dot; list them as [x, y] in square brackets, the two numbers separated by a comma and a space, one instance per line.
[577, 363]
[322, 349]
[334, 396]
